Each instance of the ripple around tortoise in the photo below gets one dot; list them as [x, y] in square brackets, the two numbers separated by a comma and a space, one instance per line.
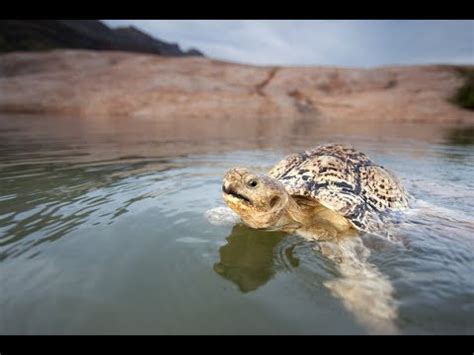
[248, 260]
[77, 192]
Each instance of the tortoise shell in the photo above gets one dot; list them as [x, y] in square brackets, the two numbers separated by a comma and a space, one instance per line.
[345, 181]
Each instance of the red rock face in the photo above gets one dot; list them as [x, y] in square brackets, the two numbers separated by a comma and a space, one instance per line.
[110, 83]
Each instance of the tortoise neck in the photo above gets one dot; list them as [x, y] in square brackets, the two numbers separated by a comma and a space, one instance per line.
[307, 212]
[289, 218]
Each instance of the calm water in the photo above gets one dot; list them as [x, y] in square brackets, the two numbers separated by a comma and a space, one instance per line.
[103, 230]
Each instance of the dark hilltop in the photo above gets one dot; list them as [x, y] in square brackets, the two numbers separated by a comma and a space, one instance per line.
[37, 35]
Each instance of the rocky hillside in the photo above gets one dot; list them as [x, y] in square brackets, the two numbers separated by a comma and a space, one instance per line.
[28, 35]
[112, 83]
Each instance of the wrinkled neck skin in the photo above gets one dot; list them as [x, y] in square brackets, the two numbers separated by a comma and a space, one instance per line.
[278, 218]
[299, 214]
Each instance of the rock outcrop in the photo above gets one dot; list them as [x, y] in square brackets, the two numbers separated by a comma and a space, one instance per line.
[112, 83]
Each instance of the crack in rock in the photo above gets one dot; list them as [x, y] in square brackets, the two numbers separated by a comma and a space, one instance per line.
[260, 87]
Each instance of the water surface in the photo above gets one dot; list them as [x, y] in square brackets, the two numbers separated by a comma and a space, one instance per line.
[103, 230]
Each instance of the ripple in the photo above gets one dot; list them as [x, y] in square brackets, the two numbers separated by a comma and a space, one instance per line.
[106, 207]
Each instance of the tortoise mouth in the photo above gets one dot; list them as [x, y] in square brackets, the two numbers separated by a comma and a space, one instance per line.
[232, 192]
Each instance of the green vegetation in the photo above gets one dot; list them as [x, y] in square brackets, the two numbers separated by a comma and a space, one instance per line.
[464, 95]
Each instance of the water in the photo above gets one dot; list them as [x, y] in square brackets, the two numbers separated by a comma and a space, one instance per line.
[103, 230]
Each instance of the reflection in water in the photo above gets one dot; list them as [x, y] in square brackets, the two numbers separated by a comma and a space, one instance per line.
[92, 211]
[362, 287]
[460, 135]
[88, 139]
[249, 260]
[248, 257]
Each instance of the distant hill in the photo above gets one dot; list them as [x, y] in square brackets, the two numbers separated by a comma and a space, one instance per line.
[34, 35]
[97, 84]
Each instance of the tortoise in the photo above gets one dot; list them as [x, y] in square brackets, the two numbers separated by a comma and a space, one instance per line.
[332, 185]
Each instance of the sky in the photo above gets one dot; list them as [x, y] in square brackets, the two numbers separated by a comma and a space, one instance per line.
[348, 43]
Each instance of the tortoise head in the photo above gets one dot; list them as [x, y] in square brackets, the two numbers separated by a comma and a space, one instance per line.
[258, 199]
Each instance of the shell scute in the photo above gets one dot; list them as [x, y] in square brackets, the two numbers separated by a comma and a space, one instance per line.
[344, 180]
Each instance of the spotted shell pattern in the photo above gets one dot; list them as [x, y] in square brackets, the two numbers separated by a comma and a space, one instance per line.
[343, 180]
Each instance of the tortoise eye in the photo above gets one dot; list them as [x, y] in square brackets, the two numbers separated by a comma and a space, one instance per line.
[252, 183]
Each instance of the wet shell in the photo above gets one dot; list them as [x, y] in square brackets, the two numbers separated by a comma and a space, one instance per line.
[346, 181]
